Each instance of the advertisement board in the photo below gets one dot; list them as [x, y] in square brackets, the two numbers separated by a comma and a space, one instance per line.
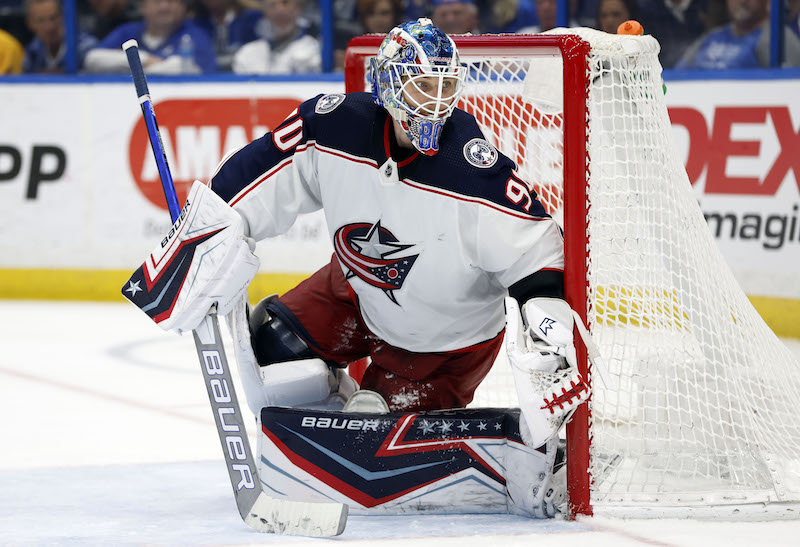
[81, 204]
[80, 187]
[740, 142]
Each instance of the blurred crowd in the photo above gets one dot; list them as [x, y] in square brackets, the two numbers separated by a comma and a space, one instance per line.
[283, 36]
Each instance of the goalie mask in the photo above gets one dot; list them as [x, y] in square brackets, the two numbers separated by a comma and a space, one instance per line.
[417, 77]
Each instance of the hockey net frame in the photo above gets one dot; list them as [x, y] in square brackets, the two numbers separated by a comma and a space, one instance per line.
[595, 119]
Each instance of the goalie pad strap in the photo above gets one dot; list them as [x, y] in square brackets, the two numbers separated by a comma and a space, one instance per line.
[291, 383]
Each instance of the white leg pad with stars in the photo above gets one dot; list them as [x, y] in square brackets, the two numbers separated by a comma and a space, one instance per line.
[453, 461]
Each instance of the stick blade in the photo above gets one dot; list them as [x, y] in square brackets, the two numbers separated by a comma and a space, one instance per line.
[296, 518]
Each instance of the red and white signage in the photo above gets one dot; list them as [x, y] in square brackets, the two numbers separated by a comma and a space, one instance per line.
[740, 142]
[79, 188]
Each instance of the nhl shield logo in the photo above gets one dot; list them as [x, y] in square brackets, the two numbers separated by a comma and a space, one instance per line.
[480, 153]
[328, 103]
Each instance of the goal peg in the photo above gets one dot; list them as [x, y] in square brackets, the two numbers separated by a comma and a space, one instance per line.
[634, 28]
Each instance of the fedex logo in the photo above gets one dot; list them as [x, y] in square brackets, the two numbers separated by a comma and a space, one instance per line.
[748, 150]
[716, 145]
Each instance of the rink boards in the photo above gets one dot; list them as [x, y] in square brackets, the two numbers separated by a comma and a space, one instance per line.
[81, 203]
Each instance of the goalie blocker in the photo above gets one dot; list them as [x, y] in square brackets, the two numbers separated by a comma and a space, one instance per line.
[205, 260]
[455, 461]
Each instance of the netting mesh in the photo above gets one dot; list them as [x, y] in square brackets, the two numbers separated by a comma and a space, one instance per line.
[704, 410]
[532, 136]
[704, 413]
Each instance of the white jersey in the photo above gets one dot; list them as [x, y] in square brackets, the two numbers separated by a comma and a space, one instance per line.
[429, 245]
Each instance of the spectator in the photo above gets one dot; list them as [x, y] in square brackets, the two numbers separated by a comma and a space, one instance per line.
[374, 17]
[612, 13]
[455, 16]
[715, 14]
[100, 17]
[508, 16]
[168, 43]
[546, 10]
[379, 16]
[230, 24]
[285, 46]
[47, 50]
[676, 24]
[11, 54]
[744, 43]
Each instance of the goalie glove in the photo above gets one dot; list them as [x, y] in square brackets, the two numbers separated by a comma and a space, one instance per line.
[205, 260]
[543, 362]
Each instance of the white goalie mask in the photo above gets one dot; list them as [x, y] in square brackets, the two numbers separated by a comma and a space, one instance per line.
[417, 77]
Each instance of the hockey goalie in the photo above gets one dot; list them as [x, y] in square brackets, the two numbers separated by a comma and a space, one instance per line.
[441, 250]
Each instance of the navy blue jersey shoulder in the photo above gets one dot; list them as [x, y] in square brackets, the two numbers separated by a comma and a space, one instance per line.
[468, 165]
[343, 122]
[337, 121]
[465, 165]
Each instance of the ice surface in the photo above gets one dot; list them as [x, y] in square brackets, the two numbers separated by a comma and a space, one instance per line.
[106, 438]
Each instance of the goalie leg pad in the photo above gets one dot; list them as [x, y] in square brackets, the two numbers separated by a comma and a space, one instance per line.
[367, 401]
[453, 461]
[296, 383]
[273, 340]
[541, 494]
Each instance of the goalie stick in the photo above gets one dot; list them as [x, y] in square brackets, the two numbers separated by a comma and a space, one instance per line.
[258, 510]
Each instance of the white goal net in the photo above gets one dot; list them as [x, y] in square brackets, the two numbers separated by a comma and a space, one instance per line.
[701, 422]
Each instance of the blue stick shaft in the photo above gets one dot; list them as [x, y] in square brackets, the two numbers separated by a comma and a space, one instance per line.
[137, 71]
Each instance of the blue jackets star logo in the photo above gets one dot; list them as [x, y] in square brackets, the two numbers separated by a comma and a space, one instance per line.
[370, 252]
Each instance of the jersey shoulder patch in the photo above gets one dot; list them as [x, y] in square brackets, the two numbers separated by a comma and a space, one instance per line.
[469, 165]
[342, 121]
[480, 153]
[329, 103]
